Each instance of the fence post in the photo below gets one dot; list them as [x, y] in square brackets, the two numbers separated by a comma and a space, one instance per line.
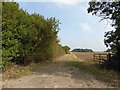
[99, 59]
[94, 57]
[109, 56]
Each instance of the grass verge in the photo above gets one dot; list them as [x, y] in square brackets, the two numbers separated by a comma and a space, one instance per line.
[93, 69]
[17, 71]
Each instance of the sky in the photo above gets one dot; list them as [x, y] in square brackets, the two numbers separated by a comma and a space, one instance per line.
[78, 29]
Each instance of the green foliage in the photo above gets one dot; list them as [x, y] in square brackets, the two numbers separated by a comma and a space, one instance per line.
[82, 50]
[109, 11]
[46, 37]
[10, 44]
[58, 50]
[25, 35]
[66, 48]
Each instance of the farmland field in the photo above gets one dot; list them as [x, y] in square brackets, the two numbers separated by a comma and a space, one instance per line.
[87, 56]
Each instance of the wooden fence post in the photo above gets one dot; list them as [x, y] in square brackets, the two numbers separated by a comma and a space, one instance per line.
[94, 57]
[109, 56]
[99, 59]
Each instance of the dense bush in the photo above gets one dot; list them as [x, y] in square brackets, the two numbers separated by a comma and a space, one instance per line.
[67, 49]
[58, 50]
[25, 35]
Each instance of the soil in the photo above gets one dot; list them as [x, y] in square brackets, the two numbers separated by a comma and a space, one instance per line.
[56, 75]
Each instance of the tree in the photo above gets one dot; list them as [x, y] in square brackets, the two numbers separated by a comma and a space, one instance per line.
[82, 50]
[10, 44]
[67, 49]
[46, 36]
[17, 32]
[24, 34]
[109, 11]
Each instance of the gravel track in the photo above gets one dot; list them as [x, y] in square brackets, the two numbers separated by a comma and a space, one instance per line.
[55, 75]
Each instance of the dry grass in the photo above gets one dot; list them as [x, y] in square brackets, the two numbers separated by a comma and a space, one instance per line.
[17, 71]
[91, 67]
[87, 56]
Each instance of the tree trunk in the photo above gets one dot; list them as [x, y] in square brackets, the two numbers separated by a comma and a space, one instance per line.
[25, 58]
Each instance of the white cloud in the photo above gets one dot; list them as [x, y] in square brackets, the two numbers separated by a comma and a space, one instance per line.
[85, 27]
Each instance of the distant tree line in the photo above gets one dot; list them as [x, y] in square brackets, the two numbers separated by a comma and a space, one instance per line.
[82, 50]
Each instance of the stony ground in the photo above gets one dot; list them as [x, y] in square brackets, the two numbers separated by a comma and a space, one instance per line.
[56, 75]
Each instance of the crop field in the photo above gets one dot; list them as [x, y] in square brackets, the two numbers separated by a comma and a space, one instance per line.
[87, 56]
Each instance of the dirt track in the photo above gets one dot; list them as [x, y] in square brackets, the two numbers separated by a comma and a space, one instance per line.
[55, 75]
